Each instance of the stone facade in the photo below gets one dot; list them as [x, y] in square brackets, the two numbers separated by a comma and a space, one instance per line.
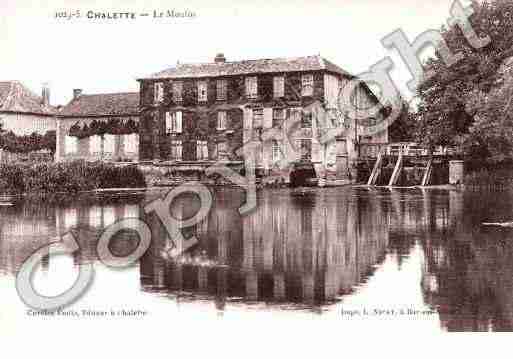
[205, 113]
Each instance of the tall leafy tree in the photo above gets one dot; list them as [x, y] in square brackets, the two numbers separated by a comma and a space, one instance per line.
[460, 103]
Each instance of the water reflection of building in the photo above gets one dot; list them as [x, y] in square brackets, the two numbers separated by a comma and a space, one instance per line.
[468, 269]
[303, 250]
[26, 228]
[22, 231]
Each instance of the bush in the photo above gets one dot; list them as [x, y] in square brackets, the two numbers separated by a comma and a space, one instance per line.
[488, 178]
[70, 177]
[11, 179]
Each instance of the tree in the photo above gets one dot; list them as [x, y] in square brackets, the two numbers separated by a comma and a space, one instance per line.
[403, 128]
[458, 104]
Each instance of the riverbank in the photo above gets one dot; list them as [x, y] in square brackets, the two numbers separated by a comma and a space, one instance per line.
[70, 178]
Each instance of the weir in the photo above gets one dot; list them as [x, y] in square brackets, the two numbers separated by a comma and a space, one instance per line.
[407, 164]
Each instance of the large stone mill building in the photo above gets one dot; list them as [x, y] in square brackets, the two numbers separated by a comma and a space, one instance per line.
[192, 115]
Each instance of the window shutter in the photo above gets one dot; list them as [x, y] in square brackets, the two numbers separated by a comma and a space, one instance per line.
[268, 117]
[179, 122]
[169, 122]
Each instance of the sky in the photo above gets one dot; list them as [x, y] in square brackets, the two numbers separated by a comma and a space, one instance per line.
[102, 56]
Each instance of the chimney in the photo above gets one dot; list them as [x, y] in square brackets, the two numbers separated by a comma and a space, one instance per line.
[76, 93]
[45, 95]
[220, 59]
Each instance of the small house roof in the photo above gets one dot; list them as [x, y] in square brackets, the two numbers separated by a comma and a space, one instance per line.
[16, 97]
[110, 104]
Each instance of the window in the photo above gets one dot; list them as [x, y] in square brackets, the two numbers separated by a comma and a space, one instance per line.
[201, 150]
[176, 150]
[307, 85]
[221, 89]
[71, 145]
[251, 87]
[177, 91]
[202, 91]
[109, 144]
[158, 92]
[277, 154]
[306, 120]
[131, 142]
[278, 86]
[95, 144]
[220, 151]
[221, 120]
[174, 122]
[305, 149]
[278, 117]
[258, 117]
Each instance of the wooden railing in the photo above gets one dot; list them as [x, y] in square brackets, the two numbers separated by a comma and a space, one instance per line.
[372, 150]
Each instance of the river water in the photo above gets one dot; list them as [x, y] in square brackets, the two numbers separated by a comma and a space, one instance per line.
[388, 258]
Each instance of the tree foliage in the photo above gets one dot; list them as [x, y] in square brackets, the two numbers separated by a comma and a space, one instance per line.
[465, 104]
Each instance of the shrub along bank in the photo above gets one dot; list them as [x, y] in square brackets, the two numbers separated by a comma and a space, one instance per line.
[68, 177]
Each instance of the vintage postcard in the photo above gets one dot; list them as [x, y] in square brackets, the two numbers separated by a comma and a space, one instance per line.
[200, 178]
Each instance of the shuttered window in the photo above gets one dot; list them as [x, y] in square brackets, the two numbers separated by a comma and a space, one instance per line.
[176, 150]
[174, 122]
[158, 91]
[251, 87]
[201, 150]
[278, 117]
[177, 91]
[307, 85]
[278, 86]
[258, 117]
[221, 120]
[221, 89]
[220, 152]
[202, 91]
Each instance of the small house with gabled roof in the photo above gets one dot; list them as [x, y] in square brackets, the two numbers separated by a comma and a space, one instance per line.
[28, 123]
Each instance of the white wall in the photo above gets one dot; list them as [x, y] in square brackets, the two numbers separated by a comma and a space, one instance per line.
[23, 124]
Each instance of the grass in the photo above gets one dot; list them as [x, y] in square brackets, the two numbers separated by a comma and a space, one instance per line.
[69, 178]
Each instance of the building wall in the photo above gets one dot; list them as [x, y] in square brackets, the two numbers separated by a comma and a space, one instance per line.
[25, 124]
[199, 121]
[88, 149]
[199, 118]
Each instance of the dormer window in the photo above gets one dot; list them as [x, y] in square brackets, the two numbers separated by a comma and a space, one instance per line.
[202, 91]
